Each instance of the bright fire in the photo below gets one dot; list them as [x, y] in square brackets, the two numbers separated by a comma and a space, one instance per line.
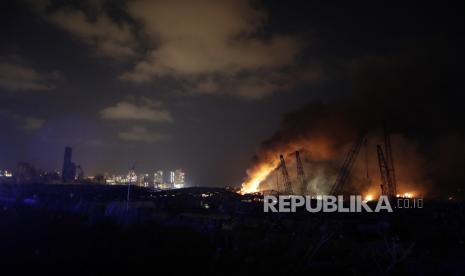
[368, 197]
[406, 195]
[317, 148]
[251, 185]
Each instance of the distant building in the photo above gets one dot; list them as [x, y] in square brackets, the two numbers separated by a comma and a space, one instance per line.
[69, 168]
[158, 179]
[26, 173]
[79, 173]
[131, 178]
[179, 179]
[171, 177]
[52, 177]
[144, 180]
[110, 180]
[4, 175]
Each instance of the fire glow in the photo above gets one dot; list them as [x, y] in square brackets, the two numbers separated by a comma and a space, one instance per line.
[316, 148]
[323, 153]
[406, 195]
[368, 197]
[259, 175]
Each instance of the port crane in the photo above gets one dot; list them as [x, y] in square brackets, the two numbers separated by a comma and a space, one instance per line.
[392, 188]
[386, 166]
[285, 175]
[346, 168]
[383, 169]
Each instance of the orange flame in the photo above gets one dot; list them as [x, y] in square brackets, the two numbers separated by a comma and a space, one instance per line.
[318, 148]
[254, 180]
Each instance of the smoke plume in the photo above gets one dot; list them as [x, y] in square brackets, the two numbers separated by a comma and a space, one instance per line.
[416, 92]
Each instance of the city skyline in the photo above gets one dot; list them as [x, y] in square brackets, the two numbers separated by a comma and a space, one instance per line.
[26, 173]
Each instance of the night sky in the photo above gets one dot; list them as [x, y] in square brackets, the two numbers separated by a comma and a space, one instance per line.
[199, 85]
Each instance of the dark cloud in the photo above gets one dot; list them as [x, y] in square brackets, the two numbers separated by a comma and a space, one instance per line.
[214, 47]
[142, 134]
[32, 123]
[107, 37]
[134, 108]
[25, 123]
[89, 22]
[17, 76]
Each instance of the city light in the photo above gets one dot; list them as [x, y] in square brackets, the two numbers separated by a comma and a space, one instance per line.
[5, 173]
[147, 180]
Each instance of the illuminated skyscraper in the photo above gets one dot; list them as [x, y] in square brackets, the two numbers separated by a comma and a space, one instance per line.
[171, 177]
[179, 179]
[143, 180]
[158, 178]
[131, 177]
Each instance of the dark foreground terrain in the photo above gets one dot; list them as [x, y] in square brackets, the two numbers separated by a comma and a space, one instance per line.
[87, 230]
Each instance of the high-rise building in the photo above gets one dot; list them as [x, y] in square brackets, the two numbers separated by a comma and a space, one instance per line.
[131, 177]
[69, 168]
[158, 178]
[144, 180]
[179, 178]
[171, 177]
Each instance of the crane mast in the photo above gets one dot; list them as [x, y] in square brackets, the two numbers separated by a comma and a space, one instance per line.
[392, 188]
[285, 174]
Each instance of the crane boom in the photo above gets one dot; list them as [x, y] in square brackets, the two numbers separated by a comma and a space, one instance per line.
[346, 168]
